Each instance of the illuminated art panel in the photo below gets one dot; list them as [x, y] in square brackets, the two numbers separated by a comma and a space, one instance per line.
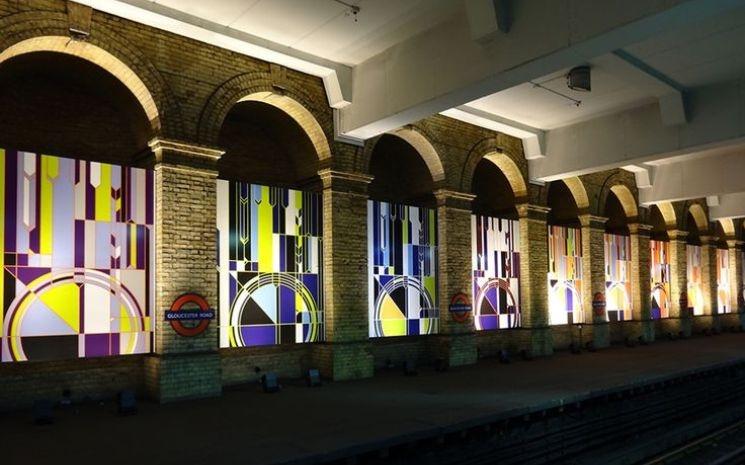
[78, 251]
[495, 243]
[270, 265]
[564, 275]
[402, 261]
[617, 276]
[723, 291]
[660, 277]
[695, 279]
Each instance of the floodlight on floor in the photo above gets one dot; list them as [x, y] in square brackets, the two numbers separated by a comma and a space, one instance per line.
[126, 402]
[269, 383]
[313, 378]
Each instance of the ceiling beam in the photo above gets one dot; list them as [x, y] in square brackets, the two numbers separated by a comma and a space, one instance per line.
[337, 78]
[639, 136]
[444, 67]
[669, 94]
[730, 206]
[707, 176]
[533, 138]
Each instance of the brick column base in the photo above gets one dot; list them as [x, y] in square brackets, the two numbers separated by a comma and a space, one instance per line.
[343, 361]
[456, 349]
[183, 376]
[541, 341]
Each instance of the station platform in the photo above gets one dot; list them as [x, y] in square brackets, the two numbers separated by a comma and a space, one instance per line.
[338, 420]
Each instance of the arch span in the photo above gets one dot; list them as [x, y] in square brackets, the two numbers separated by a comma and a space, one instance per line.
[97, 56]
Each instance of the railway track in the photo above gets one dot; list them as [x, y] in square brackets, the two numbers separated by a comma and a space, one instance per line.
[619, 428]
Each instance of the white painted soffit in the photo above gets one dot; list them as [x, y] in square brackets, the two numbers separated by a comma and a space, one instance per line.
[533, 138]
[337, 78]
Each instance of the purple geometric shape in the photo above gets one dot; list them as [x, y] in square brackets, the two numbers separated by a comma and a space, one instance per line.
[96, 345]
[258, 335]
[286, 305]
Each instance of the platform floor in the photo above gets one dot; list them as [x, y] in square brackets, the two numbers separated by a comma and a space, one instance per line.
[246, 426]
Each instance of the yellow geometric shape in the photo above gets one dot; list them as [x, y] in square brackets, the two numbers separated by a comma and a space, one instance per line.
[394, 327]
[64, 301]
[389, 310]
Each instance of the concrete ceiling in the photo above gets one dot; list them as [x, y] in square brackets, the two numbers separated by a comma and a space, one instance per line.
[324, 28]
[668, 78]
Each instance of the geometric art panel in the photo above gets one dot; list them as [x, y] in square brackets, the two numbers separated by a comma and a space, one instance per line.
[270, 265]
[402, 262]
[564, 275]
[695, 279]
[660, 279]
[617, 276]
[723, 291]
[77, 244]
[496, 272]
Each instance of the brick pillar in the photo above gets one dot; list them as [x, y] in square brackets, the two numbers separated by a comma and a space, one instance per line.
[593, 276]
[641, 287]
[185, 250]
[346, 352]
[533, 276]
[735, 277]
[679, 317]
[709, 282]
[456, 343]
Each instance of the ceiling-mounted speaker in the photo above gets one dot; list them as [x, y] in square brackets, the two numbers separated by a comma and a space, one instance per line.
[579, 79]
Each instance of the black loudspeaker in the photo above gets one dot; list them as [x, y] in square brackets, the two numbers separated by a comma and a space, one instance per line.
[590, 346]
[441, 365]
[43, 412]
[269, 383]
[504, 356]
[410, 368]
[126, 402]
[575, 348]
[313, 378]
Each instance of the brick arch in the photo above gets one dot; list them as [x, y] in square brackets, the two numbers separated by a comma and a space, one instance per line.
[668, 214]
[95, 55]
[419, 142]
[699, 217]
[577, 188]
[511, 164]
[259, 86]
[728, 227]
[44, 31]
[625, 197]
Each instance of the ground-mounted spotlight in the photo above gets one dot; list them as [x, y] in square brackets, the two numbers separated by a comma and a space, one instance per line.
[313, 378]
[43, 414]
[126, 402]
[269, 383]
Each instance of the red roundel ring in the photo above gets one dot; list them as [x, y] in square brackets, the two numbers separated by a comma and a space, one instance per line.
[460, 299]
[178, 305]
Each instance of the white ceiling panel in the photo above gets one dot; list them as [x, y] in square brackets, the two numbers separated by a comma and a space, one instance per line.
[288, 21]
[221, 12]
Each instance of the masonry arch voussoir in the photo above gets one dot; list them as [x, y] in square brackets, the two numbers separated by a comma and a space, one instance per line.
[37, 31]
[419, 141]
[508, 160]
[259, 86]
